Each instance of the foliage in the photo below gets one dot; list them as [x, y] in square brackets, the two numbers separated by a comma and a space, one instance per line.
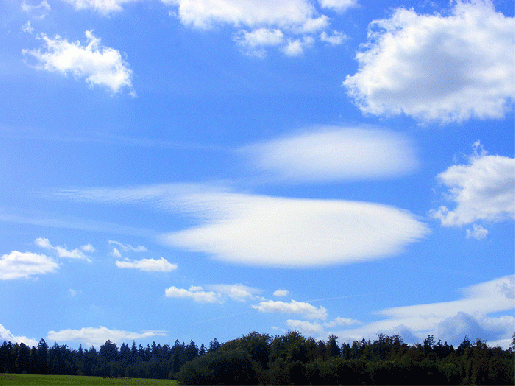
[261, 359]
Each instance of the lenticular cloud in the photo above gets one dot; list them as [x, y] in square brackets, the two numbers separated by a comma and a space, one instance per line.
[280, 232]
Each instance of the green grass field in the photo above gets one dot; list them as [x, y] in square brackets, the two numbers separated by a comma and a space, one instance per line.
[36, 379]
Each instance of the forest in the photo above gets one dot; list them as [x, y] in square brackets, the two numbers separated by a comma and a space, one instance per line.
[275, 360]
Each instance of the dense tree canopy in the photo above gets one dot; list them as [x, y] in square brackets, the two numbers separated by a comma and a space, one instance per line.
[287, 359]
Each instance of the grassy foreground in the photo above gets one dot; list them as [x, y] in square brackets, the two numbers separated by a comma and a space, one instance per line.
[37, 379]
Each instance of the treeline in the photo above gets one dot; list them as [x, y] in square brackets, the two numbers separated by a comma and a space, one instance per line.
[288, 359]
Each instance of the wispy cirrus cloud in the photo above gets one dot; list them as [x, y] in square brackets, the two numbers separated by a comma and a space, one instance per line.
[99, 65]
[97, 336]
[272, 231]
[128, 247]
[482, 190]
[24, 265]
[438, 68]
[334, 154]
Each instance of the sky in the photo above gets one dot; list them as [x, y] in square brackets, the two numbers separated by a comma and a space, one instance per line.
[200, 169]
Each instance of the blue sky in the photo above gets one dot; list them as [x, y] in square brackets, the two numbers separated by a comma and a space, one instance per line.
[203, 169]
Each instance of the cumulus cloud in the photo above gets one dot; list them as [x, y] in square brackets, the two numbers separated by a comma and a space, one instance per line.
[23, 265]
[148, 265]
[27, 27]
[338, 5]
[451, 320]
[196, 293]
[29, 8]
[100, 65]
[287, 24]
[254, 42]
[104, 7]
[301, 308]
[477, 232]
[335, 38]
[217, 293]
[438, 68]
[61, 251]
[335, 154]
[482, 190]
[97, 336]
[341, 322]
[271, 231]
[128, 247]
[88, 248]
[316, 328]
[237, 292]
[7, 336]
[38, 11]
[295, 47]
[206, 13]
[281, 292]
[305, 327]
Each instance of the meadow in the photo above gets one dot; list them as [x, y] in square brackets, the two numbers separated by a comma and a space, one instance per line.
[38, 379]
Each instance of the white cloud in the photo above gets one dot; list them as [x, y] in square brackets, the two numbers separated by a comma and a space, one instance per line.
[237, 292]
[38, 11]
[97, 336]
[341, 322]
[105, 7]
[269, 21]
[20, 265]
[271, 231]
[27, 27]
[7, 336]
[281, 292]
[61, 251]
[128, 247]
[29, 8]
[195, 293]
[483, 190]
[116, 253]
[100, 65]
[335, 153]
[161, 265]
[295, 47]
[206, 13]
[477, 232]
[301, 308]
[438, 68]
[218, 293]
[253, 42]
[88, 248]
[338, 5]
[305, 327]
[335, 38]
[452, 320]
